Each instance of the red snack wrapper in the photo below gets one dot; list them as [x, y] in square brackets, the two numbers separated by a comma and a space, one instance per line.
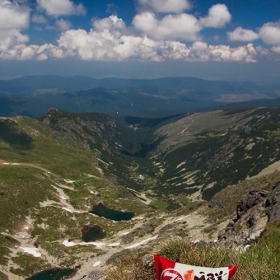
[169, 270]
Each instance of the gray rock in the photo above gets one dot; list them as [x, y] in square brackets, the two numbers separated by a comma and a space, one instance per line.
[251, 219]
[272, 204]
[254, 210]
[248, 201]
[96, 275]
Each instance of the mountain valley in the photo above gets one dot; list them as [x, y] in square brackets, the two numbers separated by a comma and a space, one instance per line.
[179, 176]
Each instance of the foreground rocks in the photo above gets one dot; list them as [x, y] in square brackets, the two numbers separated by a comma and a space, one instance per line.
[254, 210]
[272, 204]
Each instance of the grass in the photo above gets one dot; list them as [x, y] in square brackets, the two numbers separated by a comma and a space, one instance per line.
[261, 262]
[39, 147]
[6, 243]
[160, 205]
[66, 155]
[191, 207]
[21, 188]
[213, 123]
[182, 199]
[131, 268]
[3, 276]
[29, 265]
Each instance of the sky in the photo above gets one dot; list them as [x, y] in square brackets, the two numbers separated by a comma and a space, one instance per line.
[208, 39]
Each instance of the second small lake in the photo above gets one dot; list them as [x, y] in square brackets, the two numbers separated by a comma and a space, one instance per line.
[52, 274]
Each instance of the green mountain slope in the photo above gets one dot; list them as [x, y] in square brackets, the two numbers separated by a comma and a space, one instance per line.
[197, 154]
[49, 183]
[206, 152]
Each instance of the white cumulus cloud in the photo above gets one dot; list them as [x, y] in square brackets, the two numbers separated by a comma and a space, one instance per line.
[63, 25]
[111, 23]
[242, 35]
[61, 7]
[218, 16]
[11, 38]
[164, 6]
[13, 18]
[276, 49]
[13, 46]
[103, 45]
[13, 15]
[201, 51]
[270, 33]
[240, 54]
[179, 27]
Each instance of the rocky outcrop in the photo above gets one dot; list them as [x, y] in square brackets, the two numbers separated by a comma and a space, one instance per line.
[249, 201]
[272, 204]
[254, 210]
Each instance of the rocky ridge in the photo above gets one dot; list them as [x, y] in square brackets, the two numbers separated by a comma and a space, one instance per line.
[254, 211]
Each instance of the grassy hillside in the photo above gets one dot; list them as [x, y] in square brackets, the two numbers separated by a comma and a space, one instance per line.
[49, 183]
[25, 140]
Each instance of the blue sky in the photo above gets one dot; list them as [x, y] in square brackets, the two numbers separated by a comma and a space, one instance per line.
[141, 38]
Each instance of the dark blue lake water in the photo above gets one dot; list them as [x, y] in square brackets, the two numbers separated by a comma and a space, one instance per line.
[52, 274]
[102, 210]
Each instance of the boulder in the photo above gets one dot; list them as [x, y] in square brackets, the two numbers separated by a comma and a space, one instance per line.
[254, 210]
[250, 221]
[95, 275]
[249, 200]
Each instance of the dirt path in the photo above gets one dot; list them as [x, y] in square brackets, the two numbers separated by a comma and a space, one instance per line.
[26, 164]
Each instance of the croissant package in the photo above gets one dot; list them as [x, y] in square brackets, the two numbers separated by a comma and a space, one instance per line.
[169, 270]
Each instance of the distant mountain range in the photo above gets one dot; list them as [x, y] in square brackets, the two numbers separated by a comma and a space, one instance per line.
[33, 96]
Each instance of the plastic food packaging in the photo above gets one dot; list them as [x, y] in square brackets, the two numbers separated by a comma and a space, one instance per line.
[169, 270]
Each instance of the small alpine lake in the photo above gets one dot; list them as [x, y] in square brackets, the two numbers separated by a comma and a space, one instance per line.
[101, 210]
